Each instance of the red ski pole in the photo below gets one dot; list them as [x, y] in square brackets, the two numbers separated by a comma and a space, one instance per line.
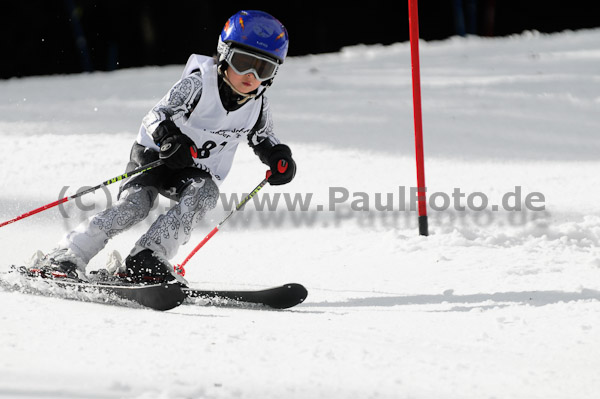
[141, 169]
[180, 269]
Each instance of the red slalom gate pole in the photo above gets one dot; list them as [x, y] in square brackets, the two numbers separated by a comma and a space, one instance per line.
[413, 18]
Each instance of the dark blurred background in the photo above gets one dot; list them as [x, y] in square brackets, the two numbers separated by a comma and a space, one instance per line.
[71, 36]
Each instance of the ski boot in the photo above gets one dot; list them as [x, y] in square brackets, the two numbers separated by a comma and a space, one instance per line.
[147, 267]
[58, 264]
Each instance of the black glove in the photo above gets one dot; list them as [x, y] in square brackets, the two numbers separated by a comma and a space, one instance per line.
[176, 149]
[283, 167]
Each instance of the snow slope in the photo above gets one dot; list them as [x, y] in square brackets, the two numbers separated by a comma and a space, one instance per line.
[495, 303]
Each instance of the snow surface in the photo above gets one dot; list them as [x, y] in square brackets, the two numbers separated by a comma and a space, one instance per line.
[493, 304]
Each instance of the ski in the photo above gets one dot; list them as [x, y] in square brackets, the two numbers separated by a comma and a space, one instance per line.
[161, 296]
[103, 288]
[282, 297]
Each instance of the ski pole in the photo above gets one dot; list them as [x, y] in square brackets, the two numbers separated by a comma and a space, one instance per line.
[180, 269]
[125, 175]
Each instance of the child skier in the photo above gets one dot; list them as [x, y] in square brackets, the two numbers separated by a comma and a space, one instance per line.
[195, 129]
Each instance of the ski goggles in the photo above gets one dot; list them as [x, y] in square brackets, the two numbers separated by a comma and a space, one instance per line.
[243, 62]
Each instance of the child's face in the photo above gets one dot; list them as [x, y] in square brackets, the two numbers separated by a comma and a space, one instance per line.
[242, 83]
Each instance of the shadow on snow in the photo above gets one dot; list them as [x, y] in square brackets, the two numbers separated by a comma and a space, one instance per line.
[468, 302]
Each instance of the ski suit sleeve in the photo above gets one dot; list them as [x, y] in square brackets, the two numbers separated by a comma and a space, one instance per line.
[262, 139]
[178, 103]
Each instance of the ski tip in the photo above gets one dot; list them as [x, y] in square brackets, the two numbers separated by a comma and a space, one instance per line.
[296, 294]
[299, 288]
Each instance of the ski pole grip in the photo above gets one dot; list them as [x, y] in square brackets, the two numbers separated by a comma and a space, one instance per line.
[282, 166]
[194, 151]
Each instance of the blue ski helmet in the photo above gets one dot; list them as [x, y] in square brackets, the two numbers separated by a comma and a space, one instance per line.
[255, 31]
